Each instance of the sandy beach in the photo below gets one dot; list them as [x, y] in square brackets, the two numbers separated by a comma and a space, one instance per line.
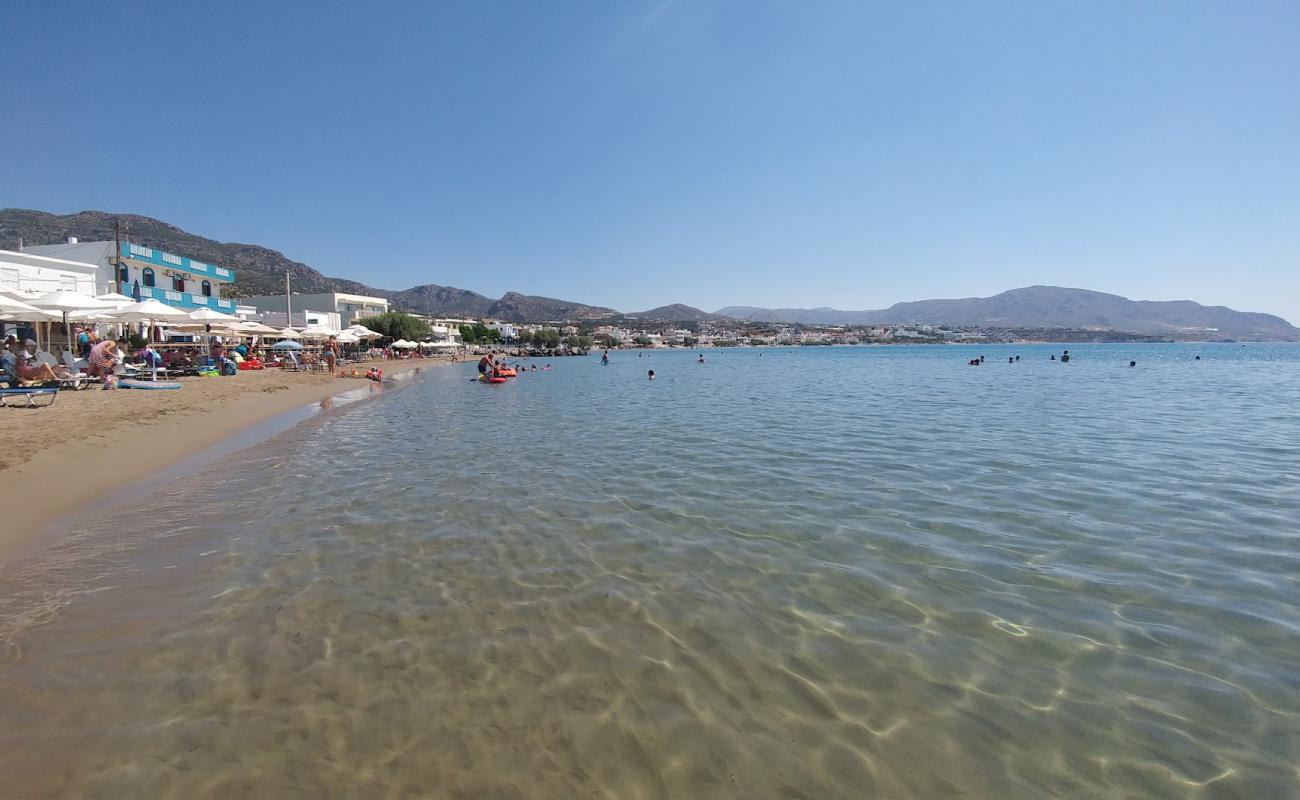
[59, 459]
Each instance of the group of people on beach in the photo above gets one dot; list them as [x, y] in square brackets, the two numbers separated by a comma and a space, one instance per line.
[21, 365]
[493, 365]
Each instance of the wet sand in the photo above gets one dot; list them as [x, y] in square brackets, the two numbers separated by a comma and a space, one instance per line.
[59, 459]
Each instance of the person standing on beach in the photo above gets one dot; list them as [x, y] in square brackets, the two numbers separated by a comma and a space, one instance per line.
[331, 353]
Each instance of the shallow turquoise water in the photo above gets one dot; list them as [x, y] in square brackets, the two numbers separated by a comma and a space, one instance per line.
[847, 572]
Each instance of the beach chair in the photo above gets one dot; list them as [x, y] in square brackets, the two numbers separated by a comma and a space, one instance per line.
[73, 363]
[30, 395]
[78, 379]
[71, 382]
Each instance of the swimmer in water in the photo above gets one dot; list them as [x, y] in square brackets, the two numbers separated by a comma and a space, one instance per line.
[651, 374]
[700, 360]
[1132, 363]
[1065, 357]
[604, 358]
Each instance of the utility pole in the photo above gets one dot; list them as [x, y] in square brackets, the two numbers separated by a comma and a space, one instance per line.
[288, 301]
[116, 263]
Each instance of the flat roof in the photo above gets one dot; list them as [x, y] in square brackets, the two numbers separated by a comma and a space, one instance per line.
[17, 256]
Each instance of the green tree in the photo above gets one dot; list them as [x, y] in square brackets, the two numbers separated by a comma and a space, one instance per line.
[397, 325]
[606, 340]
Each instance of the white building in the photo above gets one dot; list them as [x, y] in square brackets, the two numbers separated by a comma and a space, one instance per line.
[349, 307]
[302, 319]
[28, 272]
[507, 330]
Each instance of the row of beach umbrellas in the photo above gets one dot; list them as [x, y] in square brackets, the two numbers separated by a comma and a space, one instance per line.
[69, 306]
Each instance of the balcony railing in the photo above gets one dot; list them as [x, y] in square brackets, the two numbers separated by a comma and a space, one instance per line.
[157, 258]
[179, 299]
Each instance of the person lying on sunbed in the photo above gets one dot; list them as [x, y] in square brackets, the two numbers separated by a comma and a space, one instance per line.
[27, 369]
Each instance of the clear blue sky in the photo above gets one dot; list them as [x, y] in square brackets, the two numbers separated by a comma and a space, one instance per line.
[634, 154]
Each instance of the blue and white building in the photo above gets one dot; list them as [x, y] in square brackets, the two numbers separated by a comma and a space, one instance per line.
[137, 270]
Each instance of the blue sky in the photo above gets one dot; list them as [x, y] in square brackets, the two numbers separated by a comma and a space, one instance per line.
[634, 154]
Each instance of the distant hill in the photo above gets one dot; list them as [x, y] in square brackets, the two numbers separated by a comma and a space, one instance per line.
[1047, 307]
[677, 312]
[260, 270]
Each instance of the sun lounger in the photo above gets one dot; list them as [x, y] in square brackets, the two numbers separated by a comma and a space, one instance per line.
[73, 363]
[30, 396]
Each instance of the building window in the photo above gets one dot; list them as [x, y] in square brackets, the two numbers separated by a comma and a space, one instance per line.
[122, 275]
[148, 277]
[178, 283]
[9, 278]
[67, 283]
[207, 288]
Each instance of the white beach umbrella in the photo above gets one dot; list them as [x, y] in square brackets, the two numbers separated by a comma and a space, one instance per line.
[17, 309]
[289, 333]
[67, 302]
[151, 311]
[114, 299]
[208, 315]
[348, 338]
[318, 332]
[255, 328]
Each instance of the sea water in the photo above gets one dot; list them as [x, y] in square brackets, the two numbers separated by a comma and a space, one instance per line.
[782, 573]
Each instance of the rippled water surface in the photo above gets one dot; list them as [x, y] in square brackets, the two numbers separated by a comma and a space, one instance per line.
[811, 573]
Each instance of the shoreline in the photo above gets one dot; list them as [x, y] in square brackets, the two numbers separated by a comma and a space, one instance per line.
[96, 445]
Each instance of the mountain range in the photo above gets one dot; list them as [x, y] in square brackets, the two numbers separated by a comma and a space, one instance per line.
[1047, 307]
[260, 270]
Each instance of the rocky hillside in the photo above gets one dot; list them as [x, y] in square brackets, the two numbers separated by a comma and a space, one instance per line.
[677, 312]
[1049, 307]
[260, 270]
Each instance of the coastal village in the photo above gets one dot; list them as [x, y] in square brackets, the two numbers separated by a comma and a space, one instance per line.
[198, 307]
